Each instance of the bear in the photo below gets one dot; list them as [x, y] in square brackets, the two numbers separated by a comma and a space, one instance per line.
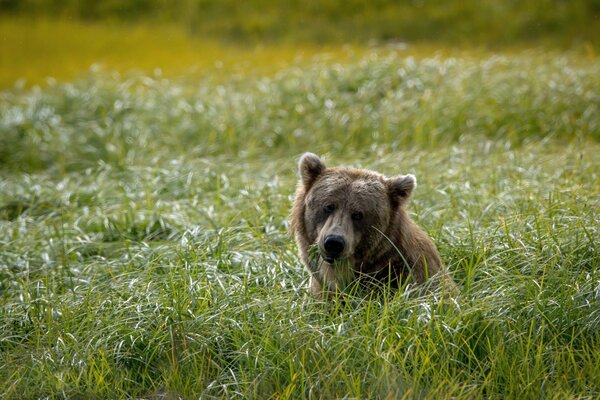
[351, 225]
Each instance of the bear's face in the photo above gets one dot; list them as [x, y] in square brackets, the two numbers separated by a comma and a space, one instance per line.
[346, 212]
[341, 210]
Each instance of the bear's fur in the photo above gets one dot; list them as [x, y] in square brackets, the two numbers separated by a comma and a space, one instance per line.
[357, 218]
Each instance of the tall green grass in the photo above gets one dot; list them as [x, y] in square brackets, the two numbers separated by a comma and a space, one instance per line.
[381, 102]
[144, 248]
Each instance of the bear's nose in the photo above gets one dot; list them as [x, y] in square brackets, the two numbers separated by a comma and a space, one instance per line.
[334, 246]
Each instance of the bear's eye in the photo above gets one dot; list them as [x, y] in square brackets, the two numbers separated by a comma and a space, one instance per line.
[356, 216]
[329, 208]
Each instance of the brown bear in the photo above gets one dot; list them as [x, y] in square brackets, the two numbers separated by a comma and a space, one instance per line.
[351, 225]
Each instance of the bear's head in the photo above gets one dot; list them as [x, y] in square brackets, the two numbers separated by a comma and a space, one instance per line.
[345, 212]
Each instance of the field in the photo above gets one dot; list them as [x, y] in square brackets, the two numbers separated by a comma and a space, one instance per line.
[144, 250]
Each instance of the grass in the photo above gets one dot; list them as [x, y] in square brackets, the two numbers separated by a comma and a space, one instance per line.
[144, 248]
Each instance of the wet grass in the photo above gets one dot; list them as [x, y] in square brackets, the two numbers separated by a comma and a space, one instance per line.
[144, 253]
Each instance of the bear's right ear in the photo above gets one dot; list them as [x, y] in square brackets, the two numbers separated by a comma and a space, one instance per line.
[310, 167]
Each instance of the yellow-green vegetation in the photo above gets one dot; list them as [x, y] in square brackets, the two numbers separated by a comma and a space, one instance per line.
[34, 50]
[62, 40]
[144, 248]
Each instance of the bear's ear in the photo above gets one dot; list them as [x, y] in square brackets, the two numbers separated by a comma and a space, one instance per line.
[401, 187]
[310, 167]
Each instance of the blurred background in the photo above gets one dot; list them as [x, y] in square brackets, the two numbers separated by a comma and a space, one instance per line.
[62, 39]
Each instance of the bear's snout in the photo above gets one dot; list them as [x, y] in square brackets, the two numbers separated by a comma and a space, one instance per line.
[334, 246]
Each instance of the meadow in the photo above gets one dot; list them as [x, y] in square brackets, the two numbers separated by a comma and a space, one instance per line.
[144, 250]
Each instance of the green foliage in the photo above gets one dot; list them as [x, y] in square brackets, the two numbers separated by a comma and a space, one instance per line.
[472, 21]
[144, 248]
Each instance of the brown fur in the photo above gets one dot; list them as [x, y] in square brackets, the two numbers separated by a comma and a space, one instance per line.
[383, 244]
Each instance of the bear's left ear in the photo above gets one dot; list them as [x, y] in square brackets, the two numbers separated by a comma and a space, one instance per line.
[310, 167]
[400, 188]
